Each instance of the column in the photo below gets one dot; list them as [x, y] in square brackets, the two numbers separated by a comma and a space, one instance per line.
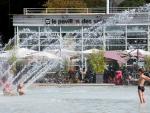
[107, 7]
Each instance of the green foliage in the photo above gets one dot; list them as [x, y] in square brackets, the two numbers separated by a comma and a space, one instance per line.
[65, 4]
[147, 63]
[17, 66]
[115, 65]
[65, 65]
[9, 47]
[90, 3]
[97, 61]
[75, 3]
[95, 3]
[132, 3]
[12, 59]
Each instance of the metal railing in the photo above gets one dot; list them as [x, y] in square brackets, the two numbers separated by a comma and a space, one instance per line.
[76, 10]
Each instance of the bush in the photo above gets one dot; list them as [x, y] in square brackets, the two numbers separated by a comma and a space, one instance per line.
[132, 3]
[97, 62]
[147, 63]
[65, 4]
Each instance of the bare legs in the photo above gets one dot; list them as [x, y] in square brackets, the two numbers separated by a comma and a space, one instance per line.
[141, 96]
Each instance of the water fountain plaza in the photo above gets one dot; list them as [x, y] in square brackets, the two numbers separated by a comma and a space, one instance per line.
[68, 99]
[68, 35]
[74, 33]
[65, 36]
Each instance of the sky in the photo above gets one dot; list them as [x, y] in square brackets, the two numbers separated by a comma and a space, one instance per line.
[7, 9]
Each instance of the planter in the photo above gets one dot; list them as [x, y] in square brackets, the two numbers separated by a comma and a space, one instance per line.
[99, 78]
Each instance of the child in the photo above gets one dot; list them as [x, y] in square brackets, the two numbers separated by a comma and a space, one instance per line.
[141, 82]
[7, 89]
[20, 89]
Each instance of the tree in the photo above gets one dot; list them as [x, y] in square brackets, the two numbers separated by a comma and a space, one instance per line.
[95, 3]
[65, 4]
[132, 3]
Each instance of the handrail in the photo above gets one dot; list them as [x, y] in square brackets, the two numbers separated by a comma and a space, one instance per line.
[75, 10]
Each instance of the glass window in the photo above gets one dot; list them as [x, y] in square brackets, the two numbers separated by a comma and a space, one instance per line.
[50, 35]
[137, 41]
[88, 29]
[115, 42]
[137, 35]
[93, 35]
[71, 35]
[50, 29]
[100, 47]
[115, 47]
[92, 42]
[137, 28]
[115, 28]
[115, 35]
[71, 28]
[28, 35]
[28, 41]
[28, 29]
[49, 42]
[36, 48]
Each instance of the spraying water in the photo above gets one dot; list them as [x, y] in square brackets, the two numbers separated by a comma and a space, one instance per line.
[33, 70]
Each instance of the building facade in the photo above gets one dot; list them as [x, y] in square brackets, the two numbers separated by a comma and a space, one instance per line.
[82, 29]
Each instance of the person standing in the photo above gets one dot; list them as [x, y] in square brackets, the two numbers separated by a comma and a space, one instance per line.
[141, 81]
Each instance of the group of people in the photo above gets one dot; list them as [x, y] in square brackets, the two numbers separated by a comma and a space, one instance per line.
[74, 75]
[8, 90]
[7, 87]
[112, 75]
[77, 75]
[142, 78]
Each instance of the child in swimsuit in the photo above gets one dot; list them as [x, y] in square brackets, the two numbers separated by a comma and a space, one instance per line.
[141, 82]
[7, 89]
[20, 89]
